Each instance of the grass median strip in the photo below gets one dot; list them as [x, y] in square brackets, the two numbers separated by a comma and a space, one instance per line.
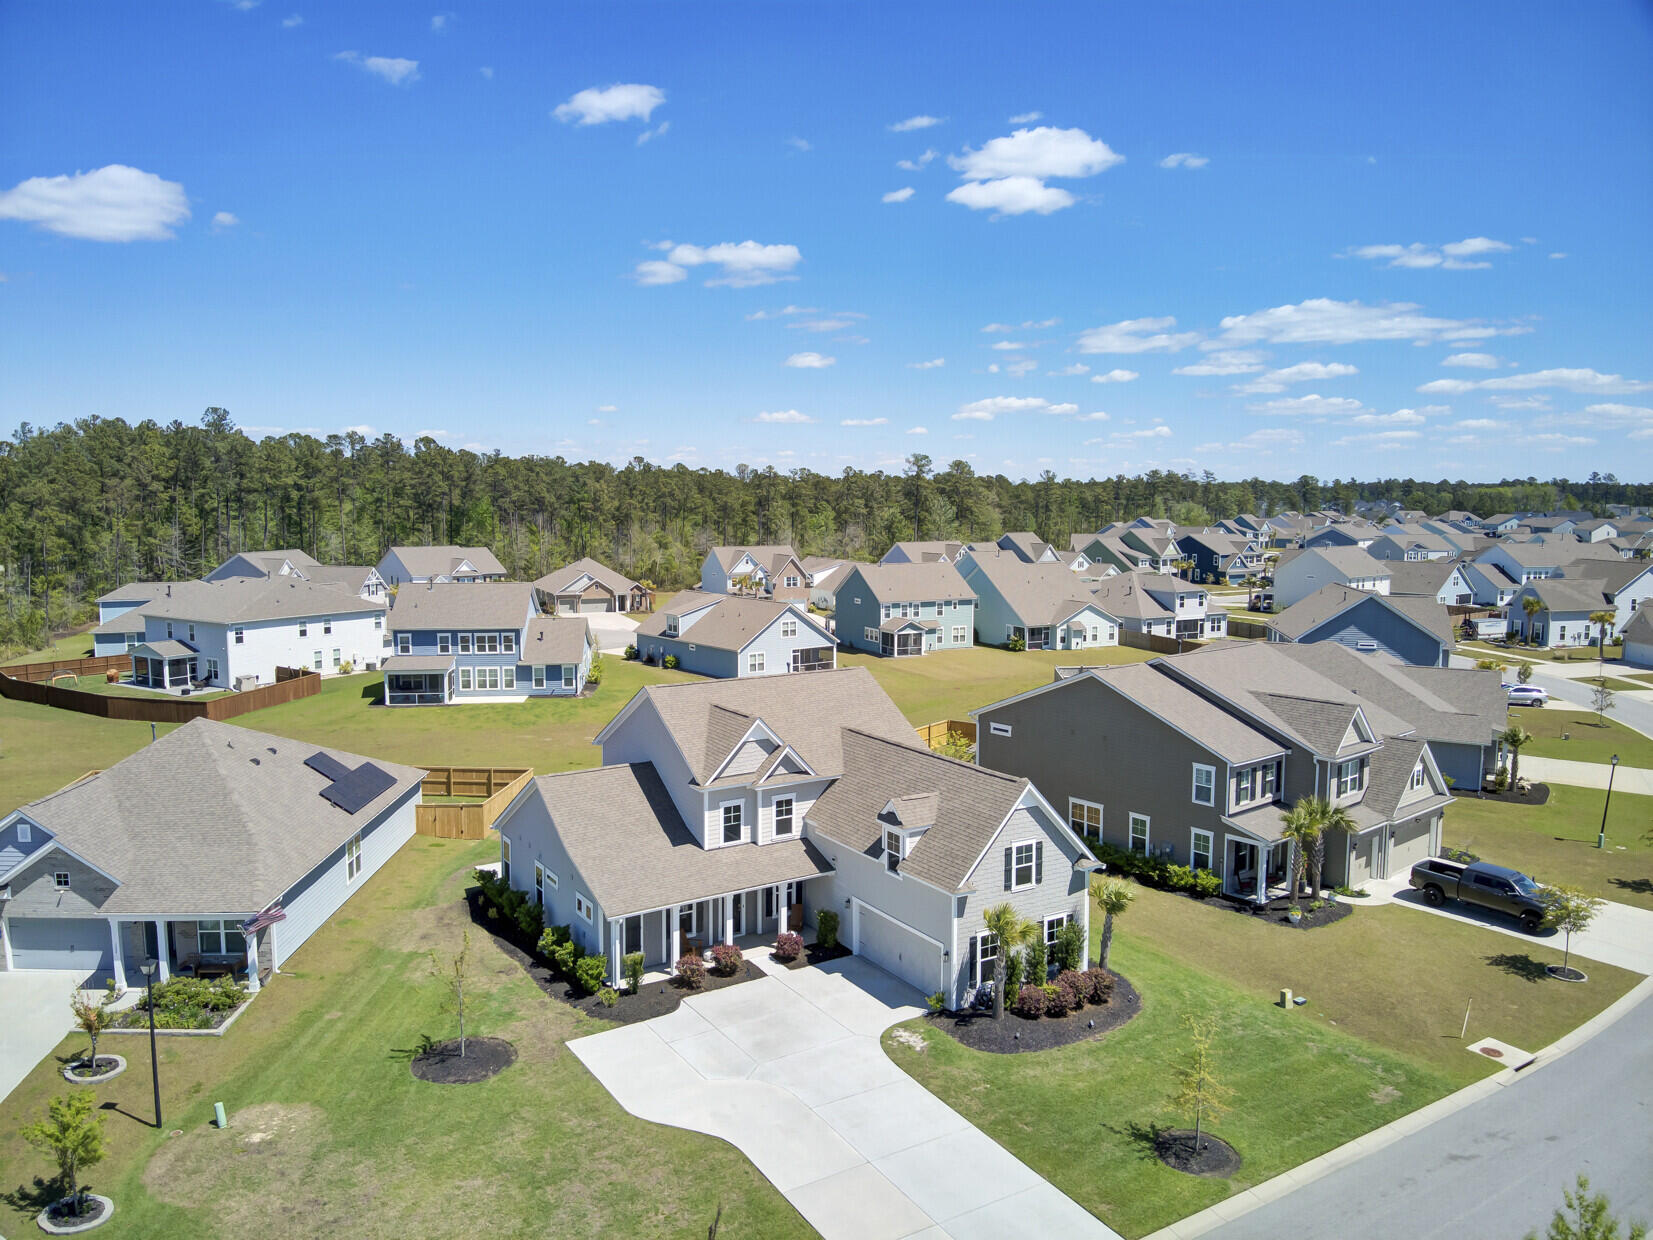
[1587, 740]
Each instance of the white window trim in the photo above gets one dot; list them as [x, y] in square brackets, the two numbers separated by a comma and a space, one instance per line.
[982, 975]
[722, 822]
[465, 679]
[1056, 920]
[891, 834]
[1210, 787]
[25, 834]
[404, 643]
[1096, 805]
[539, 883]
[1210, 847]
[1016, 865]
[791, 817]
[62, 880]
[353, 858]
[583, 907]
[444, 643]
[755, 662]
[1147, 832]
[568, 677]
[999, 729]
[539, 676]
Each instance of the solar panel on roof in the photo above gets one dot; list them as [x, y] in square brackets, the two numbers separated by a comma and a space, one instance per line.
[327, 765]
[359, 787]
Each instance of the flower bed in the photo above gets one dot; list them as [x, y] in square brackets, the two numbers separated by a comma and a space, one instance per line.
[1027, 1028]
[1159, 873]
[187, 1003]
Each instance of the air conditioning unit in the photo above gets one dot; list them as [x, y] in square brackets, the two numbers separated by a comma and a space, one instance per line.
[243, 683]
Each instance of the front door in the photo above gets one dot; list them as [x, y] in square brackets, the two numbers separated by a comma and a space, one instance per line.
[631, 938]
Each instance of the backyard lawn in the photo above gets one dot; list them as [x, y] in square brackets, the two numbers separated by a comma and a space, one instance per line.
[74, 646]
[1378, 1038]
[330, 1135]
[1587, 740]
[43, 748]
[1556, 842]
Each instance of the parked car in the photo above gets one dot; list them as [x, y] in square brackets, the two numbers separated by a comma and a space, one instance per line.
[1490, 886]
[1527, 695]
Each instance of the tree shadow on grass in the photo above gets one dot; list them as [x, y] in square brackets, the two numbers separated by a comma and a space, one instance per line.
[1143, 1137]
[1639, 886]
[1519, 964]
[405, 1053]
[31, 1199]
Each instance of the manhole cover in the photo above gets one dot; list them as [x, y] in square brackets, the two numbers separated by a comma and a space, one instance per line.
[1492, 1052]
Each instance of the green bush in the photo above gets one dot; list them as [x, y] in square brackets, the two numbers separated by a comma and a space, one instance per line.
[691, 971]
[530, 918]
[564, 957]
[1158, 872]
[594, 675]
[937, 1002]
[631, 654]
[553, 938]
[188, 1003]
[1017, 644]
[632, 963]
[591, 973]
[1179, 878]
[1207, 884]
[1069, 955]
[1351, 893]
[1035, 963]
[608, 996]
[669, 662]
[826, 929]
[1013, 972]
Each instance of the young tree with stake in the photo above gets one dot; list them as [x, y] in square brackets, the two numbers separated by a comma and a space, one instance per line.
[92, 1019]
[455, 973]
[1199, 1092]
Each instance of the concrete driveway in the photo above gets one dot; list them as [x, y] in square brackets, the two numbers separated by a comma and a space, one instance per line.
[613, 631]
[789, 1069]
[36, 1018]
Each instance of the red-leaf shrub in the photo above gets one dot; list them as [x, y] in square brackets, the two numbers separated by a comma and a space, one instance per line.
[1056, 1000]
[1098, 985]
[788, 946]
[1073, 988]
[726, 959]
[1030, 1002]
[691, 971]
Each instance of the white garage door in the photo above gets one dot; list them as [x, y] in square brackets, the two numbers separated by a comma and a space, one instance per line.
[78, 943]
[1410, 846]
[897, 949]
[600, 603]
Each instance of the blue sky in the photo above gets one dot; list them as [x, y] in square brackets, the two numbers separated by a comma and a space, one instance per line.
[1268, 239]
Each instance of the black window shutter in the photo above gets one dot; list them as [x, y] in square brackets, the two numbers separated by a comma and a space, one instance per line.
[1007, 864]
[975, 979]
[1038, 861]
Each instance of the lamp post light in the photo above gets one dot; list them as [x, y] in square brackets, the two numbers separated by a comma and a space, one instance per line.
[1612, 769]
[148, 969]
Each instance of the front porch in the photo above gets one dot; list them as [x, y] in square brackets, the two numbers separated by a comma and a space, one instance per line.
[1256, 870]
[749, 919]
[236, 947]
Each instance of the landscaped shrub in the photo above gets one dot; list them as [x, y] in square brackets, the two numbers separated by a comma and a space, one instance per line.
[631, 654]
[530, 918]
[552, 938]
[1352, 893]
[1070, 948]
[1035, 962]
[591, 973]
[1207, 884]
[594, 674]
[1016, 643]
[564, 957]
[669, 662]
[1070, 984]
[632, 963]
[608, 996]
[1461, 855]
[788, 946]
[937, 1002]
[1098, 985]
[826, 929]
[1158, 872]
[1055, 999]
[1179, 877]
[726, 959]
[691, 971]
[1030, 1002]
[188, 1003]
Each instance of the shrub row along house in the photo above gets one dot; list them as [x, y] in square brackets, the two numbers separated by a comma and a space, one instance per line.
[1195, 757]
[728, 809]
[484, 642]
[213, 849]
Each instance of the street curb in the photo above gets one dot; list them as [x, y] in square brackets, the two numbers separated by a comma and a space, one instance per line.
[1242, 1203]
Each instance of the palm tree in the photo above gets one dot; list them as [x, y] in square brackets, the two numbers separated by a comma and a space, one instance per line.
[1515, 738]
[1307, 824]
[1013, 932]
[1532, 607]
[1603, 620]
[1333, 818]
[1113, 895]
[1301, 825]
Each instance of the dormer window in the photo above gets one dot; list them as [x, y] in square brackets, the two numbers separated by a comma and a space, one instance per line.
[1418, 776]
[1351, 777]
[671, 625]
[892, 851]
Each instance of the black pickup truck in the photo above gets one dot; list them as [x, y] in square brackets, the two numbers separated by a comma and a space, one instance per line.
[1490, 886]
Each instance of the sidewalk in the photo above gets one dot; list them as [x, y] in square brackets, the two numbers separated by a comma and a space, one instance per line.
[1636, 779]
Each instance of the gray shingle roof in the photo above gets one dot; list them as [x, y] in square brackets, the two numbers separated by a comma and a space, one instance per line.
[554, 639]
[417, 663]
[769, 555]
[247, 599]
[625, 835]
[1419, 577]
[451, 605]
[1223, 733]
[134, 592]
[921, 551]
[1039, 594]
[1322, 724]
[211, 818]
[1457, 705]
[1126, 597]
[1350, 561]
[1309, 613]
[445, 561]
[1639, 628]
[1389, 780]
[1565, 594]
[560, 579]
[729, 621]
[906, 583]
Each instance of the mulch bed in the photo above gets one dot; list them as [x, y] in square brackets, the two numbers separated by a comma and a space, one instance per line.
[1538, 794]
[1215, 1159]
[1013, 1035]
[442, 1064]
[1278, 911]
[96, 1210]
[813, 954]
[106, 1063]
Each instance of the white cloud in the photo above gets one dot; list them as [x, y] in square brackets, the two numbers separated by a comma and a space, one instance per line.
[986, 410]
[396, 70]
[1480, 424]
[836, 324]
[799, 144]
[898, 195]
[915, 122]
[863, 422]
[1136, 336]
[292, 21]
[1400, 417]
[1538, 400]
[1027, 325]
[1475, 361]
[1012, 196]
[1068, 372]
[112, 203]
[224, 220]
[1025, 118]
[621, 102]
[1021, 369]
[1224, 362]
[1184, 159]
[1148, 432]
[935, 363]
[918, 430]
[1322, 320]
[1312, 404]
[608, 408]
[1008, 346]
[1379, 439]
[439, 24]
[809, 361]
[1554, 441]
[782, 313]
[742, 265]
[487, 71]
[917, 165]
[1582, 380]
[1559, 254]
[1462, 255]
[1639, 417]
[788, 417]
[1261, 440]
[1302, 372]
[1116, 376]
[659, 131]
[1097, 416]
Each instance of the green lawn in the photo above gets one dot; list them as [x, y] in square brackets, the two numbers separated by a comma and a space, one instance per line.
[1588, 741]
[1643, 681]
[73, 646]
[1566, 654]
[330, 1134]
[43, 748]
[1556, 842]
[1377, 1039]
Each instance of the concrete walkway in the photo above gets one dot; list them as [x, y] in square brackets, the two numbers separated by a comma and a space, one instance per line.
[1636, 779]
[35, 1017]
[789, 1069]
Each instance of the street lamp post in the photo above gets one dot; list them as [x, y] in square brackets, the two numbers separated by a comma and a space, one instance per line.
[148, 968]
[1612, 769]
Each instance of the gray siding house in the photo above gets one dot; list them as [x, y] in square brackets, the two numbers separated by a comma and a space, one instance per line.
[731, 636]
[1300, 573]
[1045, 605]
[728, 811]
[213, 845]
[775, 572]
[402, 566]
[1410, 628]
[901, 610]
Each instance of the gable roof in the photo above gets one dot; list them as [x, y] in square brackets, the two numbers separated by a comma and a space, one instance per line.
[1350, 561]
[1330, 601]
[728, 622]
[211, 818]
[1025, 544]
[445, 561]
[1127, 597]
[1457, 705]
[554, 639]
[1222, 732]
[560, 579]
[1639, 628]
[1420, 577]
[769, 556]
[1565, 594]
[134, 592]
[920, 551]
[462, 605]
[1038, 594]
[932, 580]
[237, 600]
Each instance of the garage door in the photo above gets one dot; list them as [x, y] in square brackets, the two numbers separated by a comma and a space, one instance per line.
[896, 949]
[601, 603]
[1410, 846]
[61, 943]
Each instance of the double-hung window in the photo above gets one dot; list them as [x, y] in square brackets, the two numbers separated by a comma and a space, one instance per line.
[220, 938]
[1139, 833]
[353, 857]
[1085, 817]
[1270, 781]
[1351, 777]
[505, 859]
[444, 643]
[509, 643]
[892, 851]
[789, 628]
[315, 660]
[464, 643]
[336, 658]
[734, 824]
[304, 628]
[212, 669]
[1199, 850]
[1053, 927]
[754, 662]
[487, 643]
[959, 634]
[984, 957]
[1418, 776]
[1022, 866]
[783, 815]
[404, 643]
[327, 624]
[465, 678]
[1246, 790]
[1205, 784]
[568, 670]
[240, 635]
[508, 677]
[870, 633]
[539, 676]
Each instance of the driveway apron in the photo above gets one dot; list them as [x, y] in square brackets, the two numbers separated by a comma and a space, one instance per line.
[789, 1069]
[34, 1018]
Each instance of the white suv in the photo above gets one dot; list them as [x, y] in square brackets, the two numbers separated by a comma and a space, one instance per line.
[1526, 695]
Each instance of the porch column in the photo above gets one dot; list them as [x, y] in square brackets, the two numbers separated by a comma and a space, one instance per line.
[729, 919]
[670, 915]
[163, 965]
[616, 940]
[252, 960]
[119, 953]
[785, 908]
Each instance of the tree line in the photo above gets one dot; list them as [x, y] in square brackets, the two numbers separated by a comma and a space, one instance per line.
[89, 505]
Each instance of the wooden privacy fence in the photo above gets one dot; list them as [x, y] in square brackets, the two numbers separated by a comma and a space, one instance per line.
[1246, 628]
[159, 709]
[1156, 643]
[499, 785]
[933, 734]
[95, 666]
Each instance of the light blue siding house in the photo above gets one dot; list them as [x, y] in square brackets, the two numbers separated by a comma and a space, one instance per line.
[732, 636]
[1047, 606]
[1410, 628]
[906, 609]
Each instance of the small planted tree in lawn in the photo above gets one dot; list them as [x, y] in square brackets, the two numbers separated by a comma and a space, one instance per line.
[1601, 697]
[92, 1019]
[1524, 672]
[455, 974]
[1515, 738]
[1587, 1217]
[72, 1133]
[1113, 896]
[1568, 909]
[1013, 932]
[1199, 1092]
